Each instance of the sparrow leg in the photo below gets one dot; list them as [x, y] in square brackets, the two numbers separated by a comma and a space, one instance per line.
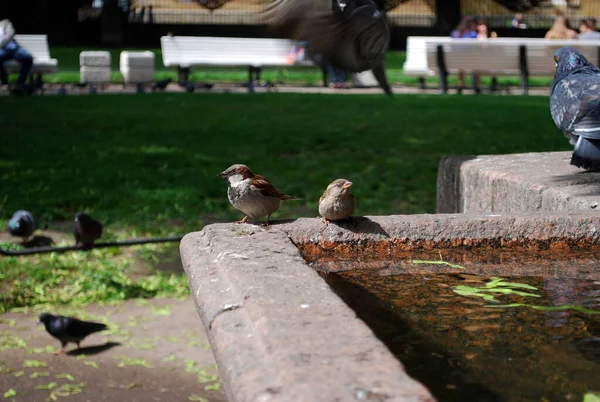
[78, 347]
[243, 220]
[268, 221]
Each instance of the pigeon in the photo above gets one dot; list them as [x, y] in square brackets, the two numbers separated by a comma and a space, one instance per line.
[162, 84]
[575, 105]
[22, 224]
[69, 329]
[352, 35]
[87, 231]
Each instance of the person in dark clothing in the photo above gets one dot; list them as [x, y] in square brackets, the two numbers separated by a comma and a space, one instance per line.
[10, 50]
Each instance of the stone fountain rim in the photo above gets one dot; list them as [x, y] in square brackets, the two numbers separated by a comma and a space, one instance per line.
[256, 296]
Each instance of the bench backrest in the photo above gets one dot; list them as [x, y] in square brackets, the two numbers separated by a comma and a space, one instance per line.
[36, 45]
[187, 51]
[501, 56]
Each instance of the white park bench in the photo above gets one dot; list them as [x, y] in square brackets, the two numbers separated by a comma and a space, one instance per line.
[416, 57]
[37, 46]
[187, 52]
[524, 57]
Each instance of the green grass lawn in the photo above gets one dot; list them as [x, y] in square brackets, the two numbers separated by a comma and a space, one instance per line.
[147, 164]
[68, 61]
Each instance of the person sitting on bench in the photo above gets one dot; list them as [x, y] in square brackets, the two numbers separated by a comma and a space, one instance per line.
[9, 50]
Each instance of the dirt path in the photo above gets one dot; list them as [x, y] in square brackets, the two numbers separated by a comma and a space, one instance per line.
[155, 350]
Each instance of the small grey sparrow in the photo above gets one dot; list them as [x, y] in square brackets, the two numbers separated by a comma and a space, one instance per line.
[337, 202]
[251, 193]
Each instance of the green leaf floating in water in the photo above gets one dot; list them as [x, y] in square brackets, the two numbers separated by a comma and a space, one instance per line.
[496, 285]
[562, 307]
[499, 285]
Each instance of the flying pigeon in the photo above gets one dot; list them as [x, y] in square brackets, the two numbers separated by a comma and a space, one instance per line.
[87, 231]
[575, 105]
[352, 35]
[69, 329]
[22, 224]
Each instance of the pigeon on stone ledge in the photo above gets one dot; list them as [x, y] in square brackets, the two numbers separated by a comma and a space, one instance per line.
[69, 329]
[575, 105]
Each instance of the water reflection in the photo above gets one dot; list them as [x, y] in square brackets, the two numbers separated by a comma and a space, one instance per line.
[465, 351]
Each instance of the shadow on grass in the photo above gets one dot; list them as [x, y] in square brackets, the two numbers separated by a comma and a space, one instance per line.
[93, 350]
[39, 241]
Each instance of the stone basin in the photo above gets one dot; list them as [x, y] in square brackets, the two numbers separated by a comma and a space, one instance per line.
[278, 331]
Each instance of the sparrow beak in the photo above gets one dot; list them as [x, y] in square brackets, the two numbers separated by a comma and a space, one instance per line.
[222, 174]
[347, 185]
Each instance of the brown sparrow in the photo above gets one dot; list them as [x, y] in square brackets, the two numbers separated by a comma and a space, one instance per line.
[251, 193]
[337, 202]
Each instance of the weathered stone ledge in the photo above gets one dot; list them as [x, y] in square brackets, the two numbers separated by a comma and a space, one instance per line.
[515, 183]
[277, 330]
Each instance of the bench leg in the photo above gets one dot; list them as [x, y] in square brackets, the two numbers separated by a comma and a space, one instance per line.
[422, 83]
[494, 84]
[39, 83]
[257, 72]
[524, 84]
[183, 75]
[251, 79]
[443, 72]
[524, 69]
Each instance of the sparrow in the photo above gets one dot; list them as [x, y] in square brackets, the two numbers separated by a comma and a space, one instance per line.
[68, 329]
[337, 202]
[252, 194]
[87, 230]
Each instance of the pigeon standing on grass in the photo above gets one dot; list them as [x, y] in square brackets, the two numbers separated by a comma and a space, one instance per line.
[352, 35]
[69, 329]
[87, 231]
[22, 224]
[161, 85]
[575, 105]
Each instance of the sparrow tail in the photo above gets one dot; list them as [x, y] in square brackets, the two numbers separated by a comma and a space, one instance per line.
[586, 154]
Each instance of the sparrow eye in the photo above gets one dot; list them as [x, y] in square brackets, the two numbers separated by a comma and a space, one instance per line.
[556, 58]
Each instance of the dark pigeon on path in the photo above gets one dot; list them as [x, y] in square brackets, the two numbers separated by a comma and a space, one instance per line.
[352, 35]
[575, 105]
[87, 231]
[22, 224]
[69, 329]
[162, 84]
